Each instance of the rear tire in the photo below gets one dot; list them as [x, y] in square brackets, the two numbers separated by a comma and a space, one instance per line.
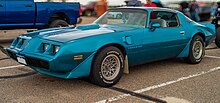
[88, 13]
[217, 40]
[107, 67]
[197, 50]
[58, 23]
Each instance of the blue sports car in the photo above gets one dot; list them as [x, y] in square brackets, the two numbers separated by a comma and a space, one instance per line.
[122, 37]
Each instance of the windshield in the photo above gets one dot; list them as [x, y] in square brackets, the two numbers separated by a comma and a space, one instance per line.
[135, 18]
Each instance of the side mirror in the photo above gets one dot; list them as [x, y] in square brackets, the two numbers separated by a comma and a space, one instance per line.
[156, 25]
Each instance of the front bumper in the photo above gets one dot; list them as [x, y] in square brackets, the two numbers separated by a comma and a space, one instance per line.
[28, 51]
[49, 66]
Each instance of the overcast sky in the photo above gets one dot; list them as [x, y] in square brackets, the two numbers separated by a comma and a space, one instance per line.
[120, 2]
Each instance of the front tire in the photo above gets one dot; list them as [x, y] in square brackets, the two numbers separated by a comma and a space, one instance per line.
[107, 67]
[197, 50]
[217, 40]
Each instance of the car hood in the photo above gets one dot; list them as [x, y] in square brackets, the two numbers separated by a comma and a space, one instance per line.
[65, 35]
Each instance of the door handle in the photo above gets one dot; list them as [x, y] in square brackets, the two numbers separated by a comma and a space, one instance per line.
[182, 32]
[1, 5]
[28, 5]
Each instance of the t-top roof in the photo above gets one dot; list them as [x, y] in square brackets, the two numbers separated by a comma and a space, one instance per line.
[148, 8]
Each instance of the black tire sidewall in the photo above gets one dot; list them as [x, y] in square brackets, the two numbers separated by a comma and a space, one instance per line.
[191, 58]
[55, 23]
[88, 13]
[217, 40]
[96, 75]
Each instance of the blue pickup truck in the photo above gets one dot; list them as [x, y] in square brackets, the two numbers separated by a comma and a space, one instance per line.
[30, 14]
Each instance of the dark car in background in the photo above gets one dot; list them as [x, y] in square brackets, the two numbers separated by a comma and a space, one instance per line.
[204, 9]
[88, 9]
[216, 22]
[204, 12]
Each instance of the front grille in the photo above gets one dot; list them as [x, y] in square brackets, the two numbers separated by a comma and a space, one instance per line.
[12, 55]
[37, 63]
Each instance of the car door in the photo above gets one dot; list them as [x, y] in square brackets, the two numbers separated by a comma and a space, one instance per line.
[2, 12]
[20, 12]
[164, 42]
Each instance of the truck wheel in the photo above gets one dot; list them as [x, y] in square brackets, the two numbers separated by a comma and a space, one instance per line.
[58, 23]
[79, 20]
[88, 13]
[197, 50]
[107, 67]
[217, 40]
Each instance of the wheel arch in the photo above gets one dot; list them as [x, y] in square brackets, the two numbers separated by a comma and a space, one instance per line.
[191, 58]
[59, 15]
[185, 51]
[200, 34]
[120, 47]
[93, 71]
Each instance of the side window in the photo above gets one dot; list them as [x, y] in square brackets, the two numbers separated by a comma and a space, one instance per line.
[165, 19]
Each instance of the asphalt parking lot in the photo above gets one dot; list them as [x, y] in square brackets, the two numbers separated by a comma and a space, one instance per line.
[171, 81]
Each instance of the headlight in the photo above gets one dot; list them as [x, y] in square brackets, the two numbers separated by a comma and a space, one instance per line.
[45, 47]
[56, 48]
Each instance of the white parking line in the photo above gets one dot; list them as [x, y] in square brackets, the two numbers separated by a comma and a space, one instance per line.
[215, 57]
[158, 86]
[10, 67]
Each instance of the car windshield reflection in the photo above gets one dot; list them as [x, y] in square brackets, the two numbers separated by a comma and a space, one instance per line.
[134, 18]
